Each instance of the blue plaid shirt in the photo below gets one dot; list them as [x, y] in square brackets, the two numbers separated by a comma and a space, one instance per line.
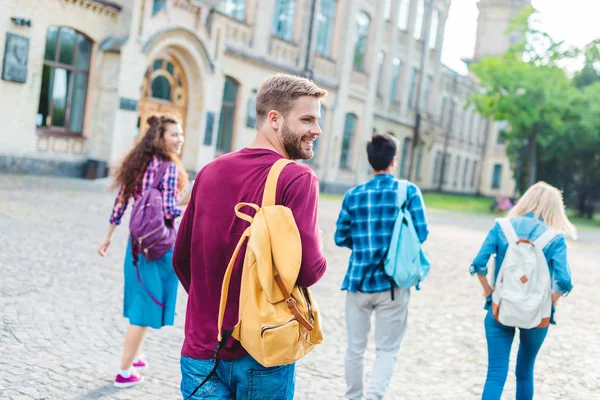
[365, 226]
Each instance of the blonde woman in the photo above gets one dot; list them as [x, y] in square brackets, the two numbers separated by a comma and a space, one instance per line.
[540, 208]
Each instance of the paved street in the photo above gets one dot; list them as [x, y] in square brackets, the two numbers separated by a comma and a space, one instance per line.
[61, 328]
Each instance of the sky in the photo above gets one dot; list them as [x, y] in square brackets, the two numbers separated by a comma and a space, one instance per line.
[575, 21]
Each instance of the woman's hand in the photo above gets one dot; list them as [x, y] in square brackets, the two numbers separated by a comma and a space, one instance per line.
[555, 297]
[107, 240]
[487, 291]
[487, 288]
[104, 246]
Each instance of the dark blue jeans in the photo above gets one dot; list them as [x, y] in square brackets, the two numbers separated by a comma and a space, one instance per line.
[499, 340]
[243, 379]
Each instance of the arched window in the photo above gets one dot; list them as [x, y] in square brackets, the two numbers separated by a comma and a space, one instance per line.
[227, 119]
[325, 24]
[465, 170]
[317, 142]
[363, 22]
[395, 79]
[405, 156]
[234, 8]
[419, 160]
[347, 139]
[251, 110]
[283, 19]
[161, 88]
[65, 78]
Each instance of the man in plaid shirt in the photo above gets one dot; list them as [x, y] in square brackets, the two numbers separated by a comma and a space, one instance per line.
[365, 226]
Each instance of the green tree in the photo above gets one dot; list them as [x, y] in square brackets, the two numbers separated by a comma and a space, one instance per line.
[527, 88]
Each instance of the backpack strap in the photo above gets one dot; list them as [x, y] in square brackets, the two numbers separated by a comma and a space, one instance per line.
[224, 335]
[162, 169]
[402, 192]
[545, 238]
[509, 230]
[270, 192]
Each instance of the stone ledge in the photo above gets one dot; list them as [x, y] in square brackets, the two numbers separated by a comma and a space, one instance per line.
[99, 6]
[39, 166]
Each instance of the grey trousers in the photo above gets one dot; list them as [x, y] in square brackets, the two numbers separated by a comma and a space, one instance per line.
[390, 326]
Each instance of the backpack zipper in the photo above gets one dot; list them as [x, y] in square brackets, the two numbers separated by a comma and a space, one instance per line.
[156, 242]
[268, 328]
[148, 234]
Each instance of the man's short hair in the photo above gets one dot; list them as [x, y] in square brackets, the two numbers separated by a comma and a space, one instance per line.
[279, 93]
[381, 150]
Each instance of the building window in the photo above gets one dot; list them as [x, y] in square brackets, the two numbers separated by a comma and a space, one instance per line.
[403, 9]
[419, 19]
[435, 20]
[395, 79]
[411, 88]
[325, 24]
[471, 126]
[388, 9]
[404, 159]
[227, 119]
[65, 78]
[473, 173]
[456, 171]
[234, 8]
[427, 93]
[465, 171]
[317, 142]
[380, 62]
[347, 139]
[497, 176]
[447, 164]
[480, 130]
[362, 38]
[251, 111]
[158, 5]
[436, 167]
[443, 109]
[283, 19]
[420, 149]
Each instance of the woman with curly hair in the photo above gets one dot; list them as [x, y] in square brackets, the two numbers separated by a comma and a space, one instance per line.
[150, 284]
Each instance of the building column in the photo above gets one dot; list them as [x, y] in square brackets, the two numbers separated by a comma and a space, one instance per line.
[344, 71]
[263, 26]
[366, 132]
[408, 64]
[392, 51]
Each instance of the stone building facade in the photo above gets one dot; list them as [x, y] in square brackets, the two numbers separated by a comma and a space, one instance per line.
[96, 69]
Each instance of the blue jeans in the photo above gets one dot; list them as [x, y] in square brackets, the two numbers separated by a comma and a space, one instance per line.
[242, 379]
[499, 340]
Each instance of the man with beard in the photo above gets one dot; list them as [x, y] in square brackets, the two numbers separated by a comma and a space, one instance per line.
[288, 113]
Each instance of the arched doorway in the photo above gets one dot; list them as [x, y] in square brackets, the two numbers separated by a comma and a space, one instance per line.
[164, 91]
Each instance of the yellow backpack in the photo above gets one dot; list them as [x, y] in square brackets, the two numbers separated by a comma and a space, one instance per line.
[279, 322]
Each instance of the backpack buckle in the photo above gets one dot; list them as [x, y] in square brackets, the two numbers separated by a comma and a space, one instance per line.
[291, 303]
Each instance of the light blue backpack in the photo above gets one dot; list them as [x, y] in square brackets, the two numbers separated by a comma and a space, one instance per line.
[406, 263]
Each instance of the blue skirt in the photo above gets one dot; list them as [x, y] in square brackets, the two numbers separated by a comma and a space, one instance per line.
[159, 278]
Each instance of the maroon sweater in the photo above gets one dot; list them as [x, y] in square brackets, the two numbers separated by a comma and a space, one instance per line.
[210, 230]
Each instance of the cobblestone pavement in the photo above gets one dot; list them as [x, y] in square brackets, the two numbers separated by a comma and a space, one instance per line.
[61, 328]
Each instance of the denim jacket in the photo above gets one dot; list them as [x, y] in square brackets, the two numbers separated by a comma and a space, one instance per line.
[527, 227]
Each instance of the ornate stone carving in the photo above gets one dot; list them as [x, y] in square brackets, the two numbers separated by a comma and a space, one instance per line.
[100, 6]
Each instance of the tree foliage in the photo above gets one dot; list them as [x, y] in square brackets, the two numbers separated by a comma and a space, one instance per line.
[553, 118]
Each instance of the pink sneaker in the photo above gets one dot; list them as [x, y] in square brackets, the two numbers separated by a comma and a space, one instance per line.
[140, 365]
[134, 379]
